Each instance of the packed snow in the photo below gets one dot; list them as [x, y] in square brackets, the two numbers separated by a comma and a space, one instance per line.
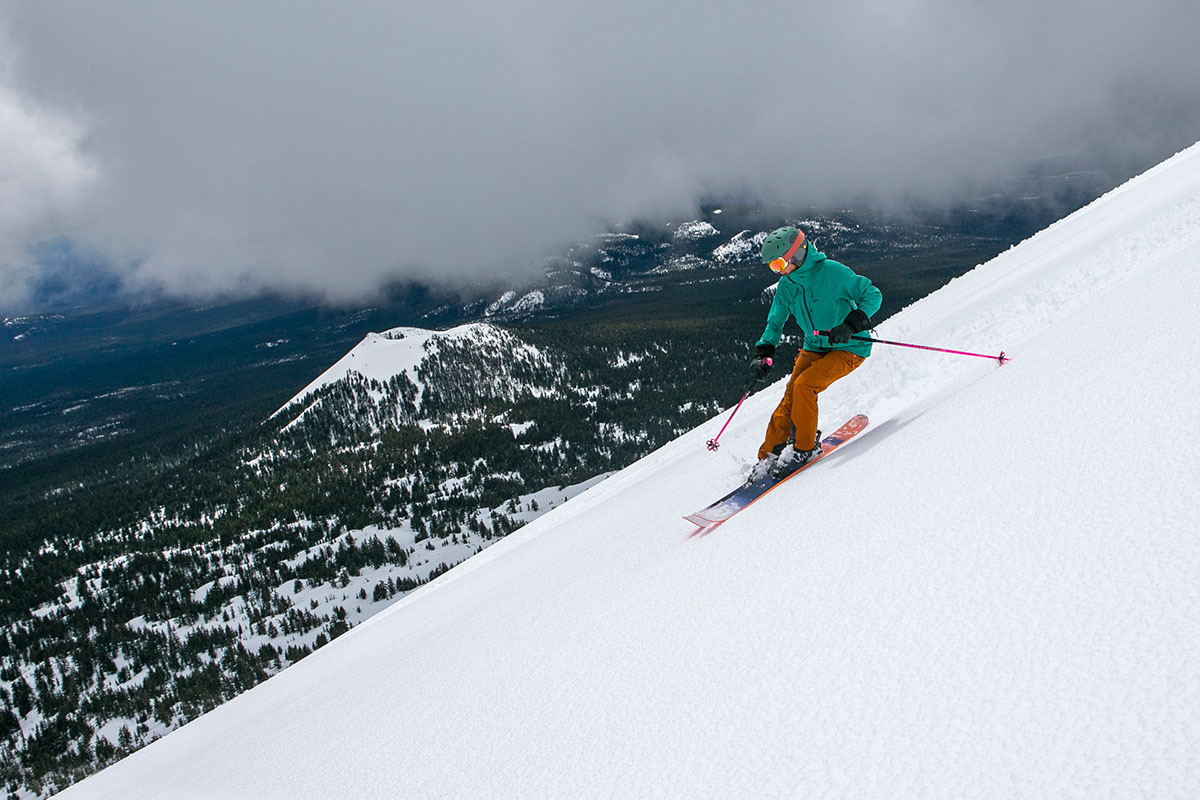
[993, 591]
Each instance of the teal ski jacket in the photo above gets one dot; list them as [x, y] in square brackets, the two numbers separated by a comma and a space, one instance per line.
[819, 294]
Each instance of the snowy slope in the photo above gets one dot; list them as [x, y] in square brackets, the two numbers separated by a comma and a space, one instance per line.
[992, 592]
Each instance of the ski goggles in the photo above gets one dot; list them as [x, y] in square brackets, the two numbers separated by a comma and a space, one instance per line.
[781, 263]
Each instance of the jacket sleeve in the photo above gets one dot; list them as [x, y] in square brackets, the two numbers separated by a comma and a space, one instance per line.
[865, 295]
[779, 313]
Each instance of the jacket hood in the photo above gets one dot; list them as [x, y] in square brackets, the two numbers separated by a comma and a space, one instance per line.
[812, 257]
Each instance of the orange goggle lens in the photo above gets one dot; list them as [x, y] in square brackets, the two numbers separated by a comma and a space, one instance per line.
[780, 264]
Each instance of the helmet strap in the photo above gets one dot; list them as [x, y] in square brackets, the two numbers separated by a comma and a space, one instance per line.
[791, 251]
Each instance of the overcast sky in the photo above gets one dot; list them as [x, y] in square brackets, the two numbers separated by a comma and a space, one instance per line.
[216, 146]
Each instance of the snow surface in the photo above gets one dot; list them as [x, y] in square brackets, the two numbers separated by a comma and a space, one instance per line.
[994, 591]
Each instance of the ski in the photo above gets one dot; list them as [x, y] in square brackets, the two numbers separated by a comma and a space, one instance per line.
[746, 494]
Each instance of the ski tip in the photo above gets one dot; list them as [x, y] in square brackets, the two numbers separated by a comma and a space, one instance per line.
[703, 526]
[857, 422]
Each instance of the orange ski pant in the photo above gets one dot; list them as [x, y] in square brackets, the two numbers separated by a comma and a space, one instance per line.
[796, 414]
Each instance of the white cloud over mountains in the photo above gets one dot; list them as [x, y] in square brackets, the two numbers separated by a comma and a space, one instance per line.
[42, 175]
[225, 146]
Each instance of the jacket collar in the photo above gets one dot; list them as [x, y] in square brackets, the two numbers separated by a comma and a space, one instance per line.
[812, 257]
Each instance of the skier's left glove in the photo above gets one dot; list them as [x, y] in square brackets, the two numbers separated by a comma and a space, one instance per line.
[855, 322]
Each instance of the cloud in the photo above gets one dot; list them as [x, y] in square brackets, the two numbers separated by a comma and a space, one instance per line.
[42, 175]
[228, 146]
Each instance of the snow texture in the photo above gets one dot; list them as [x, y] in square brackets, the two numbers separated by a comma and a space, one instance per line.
[993, 591]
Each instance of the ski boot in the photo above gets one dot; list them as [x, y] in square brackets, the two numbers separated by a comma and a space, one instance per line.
[792, 459]
[762, 469]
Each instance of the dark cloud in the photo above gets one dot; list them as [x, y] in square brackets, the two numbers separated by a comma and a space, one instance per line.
[231, 146]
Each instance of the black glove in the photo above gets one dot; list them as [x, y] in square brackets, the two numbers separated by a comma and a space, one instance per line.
[840, 335]
[761, 365]
[855, 322]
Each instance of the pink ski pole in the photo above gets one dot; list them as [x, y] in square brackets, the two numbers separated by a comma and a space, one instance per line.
[1001, 358]
[712, 443]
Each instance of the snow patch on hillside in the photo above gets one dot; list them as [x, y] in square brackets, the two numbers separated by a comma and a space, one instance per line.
[383, 356]
[692, 231]
[741, 248]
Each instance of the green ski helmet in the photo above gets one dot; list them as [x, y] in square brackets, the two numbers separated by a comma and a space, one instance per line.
[782, 243]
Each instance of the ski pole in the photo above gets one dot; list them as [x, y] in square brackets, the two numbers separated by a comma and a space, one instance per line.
[712, 443]
[1001, 358]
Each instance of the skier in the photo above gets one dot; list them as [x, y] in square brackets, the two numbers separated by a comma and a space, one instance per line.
[820, 294]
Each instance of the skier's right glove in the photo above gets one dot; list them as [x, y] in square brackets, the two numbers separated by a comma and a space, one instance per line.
[760, 367]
